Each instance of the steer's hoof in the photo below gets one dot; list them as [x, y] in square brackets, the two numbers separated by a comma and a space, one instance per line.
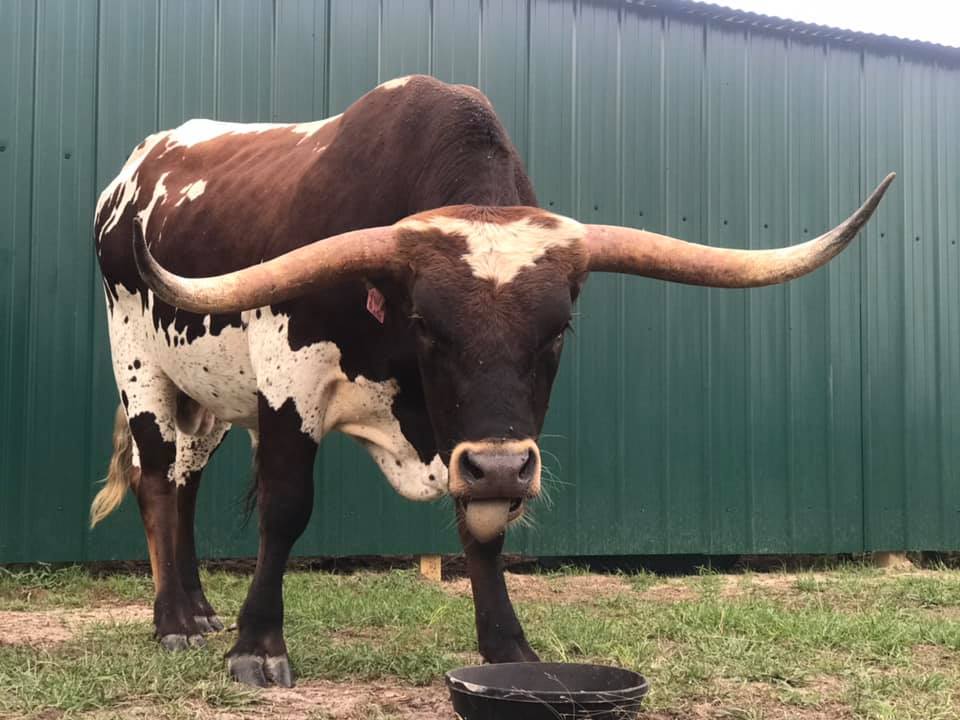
[260, 672]
[174, 643]
[206, 624]
[278, 670]
[177, 643]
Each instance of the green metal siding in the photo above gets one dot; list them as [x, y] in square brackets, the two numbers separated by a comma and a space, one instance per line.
[820, 416]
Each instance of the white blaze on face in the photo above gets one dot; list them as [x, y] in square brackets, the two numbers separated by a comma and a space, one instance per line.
[326, 399]
[498, 251]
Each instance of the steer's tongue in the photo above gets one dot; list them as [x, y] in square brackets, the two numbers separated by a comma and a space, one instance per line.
[487, 518]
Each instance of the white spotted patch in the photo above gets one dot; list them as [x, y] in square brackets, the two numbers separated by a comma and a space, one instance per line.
[194, 451]
[223, 374]
[159, 197]
[126, 183]
[309, 128]
[498, 251]
[200, 130]
[214, 370]
[395, 83]
[192, 191]
[326, 399]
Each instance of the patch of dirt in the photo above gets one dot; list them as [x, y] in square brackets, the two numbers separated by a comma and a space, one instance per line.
[539, 588]
[669, 592]
[51, 627]
[360, 700]
[933, 658]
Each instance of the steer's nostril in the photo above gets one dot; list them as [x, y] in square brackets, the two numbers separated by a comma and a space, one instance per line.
[469, 468]
[529, 467]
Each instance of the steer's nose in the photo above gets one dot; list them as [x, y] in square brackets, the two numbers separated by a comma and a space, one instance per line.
[496, 467]
[508, 469]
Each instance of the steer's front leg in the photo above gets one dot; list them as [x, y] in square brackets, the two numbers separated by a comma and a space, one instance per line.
[285, 500]
[499, 635]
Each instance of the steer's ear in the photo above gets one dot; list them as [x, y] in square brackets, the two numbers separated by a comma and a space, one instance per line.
[576, 285]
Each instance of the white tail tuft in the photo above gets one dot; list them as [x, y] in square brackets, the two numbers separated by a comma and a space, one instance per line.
[121, 473]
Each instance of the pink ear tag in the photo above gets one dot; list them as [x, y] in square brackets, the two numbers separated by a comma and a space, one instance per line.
[376, 304]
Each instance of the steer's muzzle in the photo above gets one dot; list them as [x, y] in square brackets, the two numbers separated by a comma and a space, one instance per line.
[491, 480]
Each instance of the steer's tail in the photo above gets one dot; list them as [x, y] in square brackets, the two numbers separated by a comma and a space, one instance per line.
[121, 473]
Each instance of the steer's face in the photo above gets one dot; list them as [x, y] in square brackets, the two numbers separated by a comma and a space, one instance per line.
[491, 292]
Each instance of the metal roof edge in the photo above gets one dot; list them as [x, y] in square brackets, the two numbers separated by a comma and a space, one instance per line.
[723, 15]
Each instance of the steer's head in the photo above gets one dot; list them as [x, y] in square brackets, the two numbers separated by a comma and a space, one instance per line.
[489, 292]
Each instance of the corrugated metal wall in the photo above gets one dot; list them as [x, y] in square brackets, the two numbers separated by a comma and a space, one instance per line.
[822, 416]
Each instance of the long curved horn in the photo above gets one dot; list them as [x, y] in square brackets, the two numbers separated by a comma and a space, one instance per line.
[273, 281]
[637, 252]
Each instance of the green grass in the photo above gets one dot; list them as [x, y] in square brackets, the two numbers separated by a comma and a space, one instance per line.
[850, 642]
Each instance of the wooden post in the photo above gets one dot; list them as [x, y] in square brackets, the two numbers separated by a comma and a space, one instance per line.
[430, 567]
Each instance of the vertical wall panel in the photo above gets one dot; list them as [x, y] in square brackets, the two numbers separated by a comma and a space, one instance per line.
[884, 304]
[686, 432]
[456, 41]
[17, 89]
[808, 320]
[598, 345]
[188, 70]
[504, 45]
[922, 258]
[300, 80]
[768, 359]
[551, 84]
[646, 481]
[61, 293]
[728, 489]
[354, 50]
[244, 62]
[404, 38]
[947, 218]
[845, 422]
[821, 416]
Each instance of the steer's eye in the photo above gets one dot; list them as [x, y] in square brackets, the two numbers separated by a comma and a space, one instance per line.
[554, 344]
[424, 333]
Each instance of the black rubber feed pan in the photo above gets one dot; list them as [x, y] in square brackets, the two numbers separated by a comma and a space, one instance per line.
[547, 691]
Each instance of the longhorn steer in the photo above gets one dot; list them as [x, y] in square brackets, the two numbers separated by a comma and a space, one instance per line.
[385, 273]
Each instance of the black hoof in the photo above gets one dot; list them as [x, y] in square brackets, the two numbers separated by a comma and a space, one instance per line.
[278, 670]
[248, 670]
[207, 625]
[177, 643]
[260, 672]
[174, 643]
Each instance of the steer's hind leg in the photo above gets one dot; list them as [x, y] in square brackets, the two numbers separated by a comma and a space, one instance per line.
[203, 613]
[285, 499]
[199, 434]
[499, 634]
[157, 496]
